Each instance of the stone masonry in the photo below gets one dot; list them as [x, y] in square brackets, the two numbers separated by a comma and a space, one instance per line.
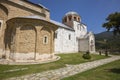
[26, 33]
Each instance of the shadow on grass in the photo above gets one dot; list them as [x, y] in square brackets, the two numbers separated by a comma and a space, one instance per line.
[115, 70]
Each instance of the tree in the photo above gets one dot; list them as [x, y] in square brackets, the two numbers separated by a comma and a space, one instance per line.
[113, 23]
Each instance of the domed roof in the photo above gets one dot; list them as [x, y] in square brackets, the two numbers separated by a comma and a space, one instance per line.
[71, 13]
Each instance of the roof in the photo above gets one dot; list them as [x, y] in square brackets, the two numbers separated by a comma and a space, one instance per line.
[34, 17]
[39, 5]
[51, 21]
[62, 25]
[71, 12]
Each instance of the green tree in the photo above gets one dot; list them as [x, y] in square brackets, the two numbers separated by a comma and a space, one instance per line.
[113, 23]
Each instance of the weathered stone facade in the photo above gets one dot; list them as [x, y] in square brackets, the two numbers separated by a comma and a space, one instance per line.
[26, 33]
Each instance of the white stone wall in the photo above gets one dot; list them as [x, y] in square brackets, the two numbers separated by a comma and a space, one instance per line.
[80, 39]
[62, 42]
[84, 45]
[80, 32]
[80, 29]
[91, 42]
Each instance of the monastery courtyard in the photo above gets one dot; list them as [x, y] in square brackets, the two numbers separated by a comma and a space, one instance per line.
[67, 71]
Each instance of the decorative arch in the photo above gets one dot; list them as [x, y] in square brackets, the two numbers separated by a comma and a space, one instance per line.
[4, 9]
[27, 39]
[45, 34]
[92, 45]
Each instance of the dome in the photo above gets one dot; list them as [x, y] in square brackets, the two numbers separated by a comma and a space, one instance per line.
[70, 17]
[71, 13]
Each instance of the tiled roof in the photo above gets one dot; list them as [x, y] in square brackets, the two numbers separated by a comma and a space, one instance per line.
[71, 12]
[52, 21]
[39, 5]
[62, 25]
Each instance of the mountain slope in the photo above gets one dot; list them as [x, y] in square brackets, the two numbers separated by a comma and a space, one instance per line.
[107, 39]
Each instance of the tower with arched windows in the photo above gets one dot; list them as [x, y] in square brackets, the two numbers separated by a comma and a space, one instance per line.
[70, 17]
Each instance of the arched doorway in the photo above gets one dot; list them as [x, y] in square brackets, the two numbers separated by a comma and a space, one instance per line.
[92, 46]
[27, 42]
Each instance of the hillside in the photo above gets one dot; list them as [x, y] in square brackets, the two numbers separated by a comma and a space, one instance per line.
[107, 40]
[104, 35]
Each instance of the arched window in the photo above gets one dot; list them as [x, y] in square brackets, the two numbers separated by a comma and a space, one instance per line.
[75, 18]
[78, 26]
[91, 42]
[65, 19]
[69, 37]
[45, 40]
[0, 25]
[92, 45]
[70, 18]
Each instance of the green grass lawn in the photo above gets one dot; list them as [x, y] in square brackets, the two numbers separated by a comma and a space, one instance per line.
[75, 58]
[109, 71]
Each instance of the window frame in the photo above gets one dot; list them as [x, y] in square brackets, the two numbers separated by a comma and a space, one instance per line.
[1, 23]
[69, 36]
[45, 39]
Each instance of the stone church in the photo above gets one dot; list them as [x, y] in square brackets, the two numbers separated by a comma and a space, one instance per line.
[28, 34]
[72, 35]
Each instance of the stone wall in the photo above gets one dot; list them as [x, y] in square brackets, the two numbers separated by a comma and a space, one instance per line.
[17, 8]
[65, 41]
[27, 40]
[83, 45]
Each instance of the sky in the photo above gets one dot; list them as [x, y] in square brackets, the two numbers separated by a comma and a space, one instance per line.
[93, 12]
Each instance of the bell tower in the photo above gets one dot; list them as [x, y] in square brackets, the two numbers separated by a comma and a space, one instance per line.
[70, 17]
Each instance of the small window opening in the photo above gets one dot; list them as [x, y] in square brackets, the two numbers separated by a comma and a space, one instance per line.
[45, 40]
[78, 26]
[0, 25]
[70, 18]
[78, 19]
[75, 18]
[69, 37]
[65, 19]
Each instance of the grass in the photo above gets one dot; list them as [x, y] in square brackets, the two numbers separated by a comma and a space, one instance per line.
[109, 71]
[75, 58]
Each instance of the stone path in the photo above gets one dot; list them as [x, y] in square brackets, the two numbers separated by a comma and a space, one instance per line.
[69, 70]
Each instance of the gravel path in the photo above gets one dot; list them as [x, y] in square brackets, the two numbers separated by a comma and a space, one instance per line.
[67, 71]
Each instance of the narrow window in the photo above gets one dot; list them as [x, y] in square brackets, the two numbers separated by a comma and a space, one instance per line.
[0, 25]
[78, 19]
[70, 18]
[78, 26]
[45, 40]
[75, 18]
[69, 37]
[65, 19]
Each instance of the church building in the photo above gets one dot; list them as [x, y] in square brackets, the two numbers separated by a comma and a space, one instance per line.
[28, 34]
[72, 35]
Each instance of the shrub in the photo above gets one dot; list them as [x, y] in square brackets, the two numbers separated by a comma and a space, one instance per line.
[87, 55]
